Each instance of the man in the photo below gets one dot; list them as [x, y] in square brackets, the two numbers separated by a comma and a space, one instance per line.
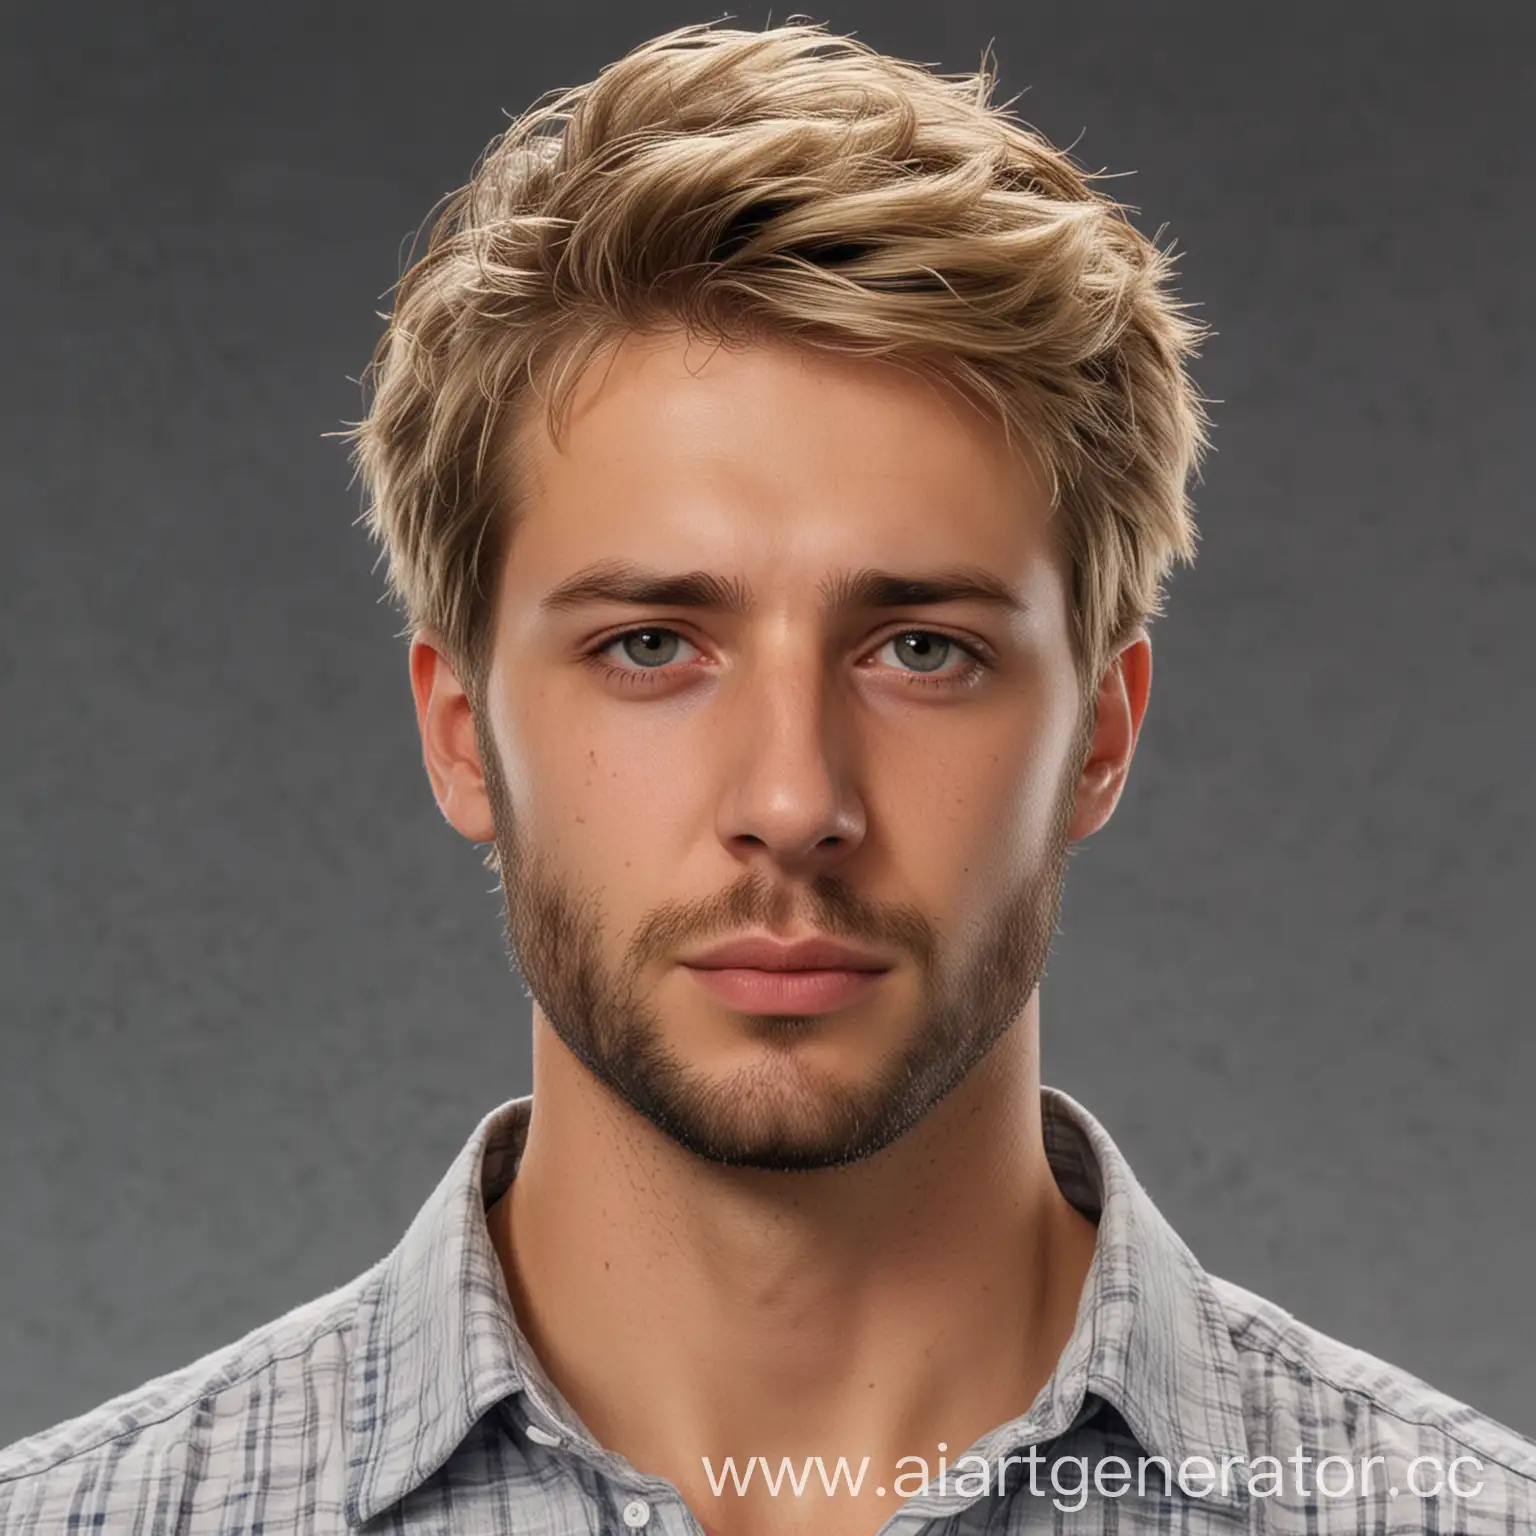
[779, 453]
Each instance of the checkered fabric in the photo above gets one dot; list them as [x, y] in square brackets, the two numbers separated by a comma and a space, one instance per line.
[408, 1401]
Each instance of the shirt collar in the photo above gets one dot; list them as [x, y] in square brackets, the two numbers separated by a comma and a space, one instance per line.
[437, 1346]
[1151, 1336]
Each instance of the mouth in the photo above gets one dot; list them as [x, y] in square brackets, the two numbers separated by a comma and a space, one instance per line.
[762, 974]
[748, 989]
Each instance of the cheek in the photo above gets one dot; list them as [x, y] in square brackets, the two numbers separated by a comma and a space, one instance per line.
[596, 789]
[974, 811]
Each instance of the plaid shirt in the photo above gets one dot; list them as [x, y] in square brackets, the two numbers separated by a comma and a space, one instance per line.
[408, 1401]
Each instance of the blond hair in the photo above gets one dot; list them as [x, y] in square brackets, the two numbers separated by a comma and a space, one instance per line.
[795, 186]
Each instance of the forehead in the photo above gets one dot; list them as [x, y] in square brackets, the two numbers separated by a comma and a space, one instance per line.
[676, 450]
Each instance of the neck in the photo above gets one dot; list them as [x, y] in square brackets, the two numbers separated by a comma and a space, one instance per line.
[921, 1295]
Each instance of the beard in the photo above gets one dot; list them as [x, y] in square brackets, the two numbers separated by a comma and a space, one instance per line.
[780, 1113]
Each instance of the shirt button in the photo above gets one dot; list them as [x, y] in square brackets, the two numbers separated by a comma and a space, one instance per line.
[542, 1436]
[636, 1513]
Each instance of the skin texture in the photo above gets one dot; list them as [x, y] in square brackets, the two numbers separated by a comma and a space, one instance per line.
[740, 1234]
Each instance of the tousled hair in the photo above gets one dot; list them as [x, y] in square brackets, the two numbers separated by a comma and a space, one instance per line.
[788, 186]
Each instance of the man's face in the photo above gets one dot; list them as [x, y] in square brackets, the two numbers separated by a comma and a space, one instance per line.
[845, 709]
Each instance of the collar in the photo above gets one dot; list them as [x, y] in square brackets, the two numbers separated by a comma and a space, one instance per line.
[435, 1342]
[437, 1346]
[1151, 1337]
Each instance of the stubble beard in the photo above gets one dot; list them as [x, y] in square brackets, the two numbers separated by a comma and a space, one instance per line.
[779, 1114]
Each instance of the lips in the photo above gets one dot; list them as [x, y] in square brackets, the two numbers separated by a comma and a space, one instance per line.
[760, 975]
[764, 954]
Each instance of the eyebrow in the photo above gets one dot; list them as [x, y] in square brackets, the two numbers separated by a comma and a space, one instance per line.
[622, 581]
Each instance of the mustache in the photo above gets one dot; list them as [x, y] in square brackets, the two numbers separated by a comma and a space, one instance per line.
[828, 905]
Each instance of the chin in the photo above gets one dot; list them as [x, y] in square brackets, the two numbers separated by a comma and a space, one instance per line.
[780, 1113]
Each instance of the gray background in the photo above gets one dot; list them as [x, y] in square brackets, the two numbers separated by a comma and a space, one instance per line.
[252, 986]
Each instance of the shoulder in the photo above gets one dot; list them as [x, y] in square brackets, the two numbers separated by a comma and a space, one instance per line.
[276, 1394]
[1303, 1390]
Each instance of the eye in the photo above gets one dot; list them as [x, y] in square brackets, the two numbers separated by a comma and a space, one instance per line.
[645, 649]
[920, 650]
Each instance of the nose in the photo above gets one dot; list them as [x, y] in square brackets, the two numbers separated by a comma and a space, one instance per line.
[789, 793]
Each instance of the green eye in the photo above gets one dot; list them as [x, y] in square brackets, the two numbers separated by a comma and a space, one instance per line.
[922, 652]
[651, 647]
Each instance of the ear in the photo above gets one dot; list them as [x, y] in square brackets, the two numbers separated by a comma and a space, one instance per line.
[450, 748]
[1121, 704]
